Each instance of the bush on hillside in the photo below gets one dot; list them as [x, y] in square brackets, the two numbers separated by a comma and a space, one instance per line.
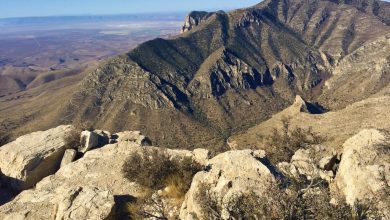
[282, 144]
[155, 169]
[297, 201]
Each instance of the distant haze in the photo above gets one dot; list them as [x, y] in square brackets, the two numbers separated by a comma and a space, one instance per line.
[38, 8]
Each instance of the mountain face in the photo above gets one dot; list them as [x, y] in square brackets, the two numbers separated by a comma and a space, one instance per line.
[229, 71]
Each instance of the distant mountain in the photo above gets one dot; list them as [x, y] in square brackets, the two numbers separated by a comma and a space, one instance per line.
[229, 71]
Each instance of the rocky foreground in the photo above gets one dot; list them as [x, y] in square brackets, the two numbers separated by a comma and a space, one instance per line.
[54, 180]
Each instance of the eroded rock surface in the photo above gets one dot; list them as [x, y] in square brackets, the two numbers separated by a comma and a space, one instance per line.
[364, 172]
[312, 163]
[61, 203]
[229, 173]
[86, 188]
[32, 157]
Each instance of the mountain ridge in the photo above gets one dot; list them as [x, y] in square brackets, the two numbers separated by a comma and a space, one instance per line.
[230, 70]
[233, 70]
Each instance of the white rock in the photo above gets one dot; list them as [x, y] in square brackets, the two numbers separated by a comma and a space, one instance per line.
[69, 157]
[306, 162]
[201, 155]
[231, 172]
[133, 136]
[71, 203]
[364, 171]
[88, 140]
[32, 157]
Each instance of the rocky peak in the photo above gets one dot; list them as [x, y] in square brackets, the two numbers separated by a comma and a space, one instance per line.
[194, 19]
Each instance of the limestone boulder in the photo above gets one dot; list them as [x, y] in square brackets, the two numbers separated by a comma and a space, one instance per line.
[228, 174]
[69, 157]
[90, 140]
[132, 136]
[61, 203]
[30, 158]
[364, 171]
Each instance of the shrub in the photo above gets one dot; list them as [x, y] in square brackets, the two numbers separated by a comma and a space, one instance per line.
[149, 168]
[284, 143]
[72, 138]
[298, 201]
[153, 168]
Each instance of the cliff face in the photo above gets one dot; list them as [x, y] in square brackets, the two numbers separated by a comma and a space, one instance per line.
[229, 71]
[194, 19]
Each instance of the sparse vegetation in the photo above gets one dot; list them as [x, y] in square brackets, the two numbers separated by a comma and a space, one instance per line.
[156, 170]
[4, 138]
[72, 138]
[282, 145]
[159, 170]
[297, 201]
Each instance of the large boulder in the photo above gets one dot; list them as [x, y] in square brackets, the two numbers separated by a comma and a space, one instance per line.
[32, 157]
[229, 174]
[364, 171]
[62, 203]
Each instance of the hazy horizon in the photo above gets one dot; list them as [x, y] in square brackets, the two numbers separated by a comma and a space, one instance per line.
[61, 8]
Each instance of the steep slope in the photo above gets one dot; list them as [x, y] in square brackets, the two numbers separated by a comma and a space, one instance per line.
[335, 126]
[330, 25]
[359, 75]
[228, 72]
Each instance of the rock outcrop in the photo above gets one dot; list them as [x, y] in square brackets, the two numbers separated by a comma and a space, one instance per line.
[364, 172]
[28, 159]
[229, 174]
[194, 19]
[87, 187]
[61, 203]
[312, 163]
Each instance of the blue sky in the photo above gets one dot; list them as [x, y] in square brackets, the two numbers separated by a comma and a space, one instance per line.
[26, 8]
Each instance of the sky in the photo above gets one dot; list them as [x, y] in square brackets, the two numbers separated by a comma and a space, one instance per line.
[33, 8]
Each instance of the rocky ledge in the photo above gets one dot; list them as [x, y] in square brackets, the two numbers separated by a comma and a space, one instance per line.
[87, 181]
